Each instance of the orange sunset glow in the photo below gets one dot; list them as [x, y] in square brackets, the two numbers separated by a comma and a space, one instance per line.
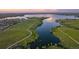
[26, 10]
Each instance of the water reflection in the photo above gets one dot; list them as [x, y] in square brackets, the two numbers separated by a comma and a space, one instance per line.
[46, 38]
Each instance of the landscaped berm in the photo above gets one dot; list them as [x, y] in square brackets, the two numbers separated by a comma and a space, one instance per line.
[21, 33]
[68, 33]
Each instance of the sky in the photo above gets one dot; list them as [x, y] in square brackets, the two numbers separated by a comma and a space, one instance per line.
[38, 10]
[39, 4]
[8, 6]
[26, 10]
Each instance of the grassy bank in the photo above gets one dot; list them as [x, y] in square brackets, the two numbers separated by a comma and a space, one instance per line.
[68, 33]
[19, 32]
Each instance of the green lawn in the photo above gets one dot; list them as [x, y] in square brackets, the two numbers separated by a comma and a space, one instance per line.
[68, 27]
[18, 32]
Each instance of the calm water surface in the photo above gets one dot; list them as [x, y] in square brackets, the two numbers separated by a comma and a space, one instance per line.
[46, 38]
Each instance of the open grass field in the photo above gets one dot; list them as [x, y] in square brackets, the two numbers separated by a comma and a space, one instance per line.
[21, 31]
[70, 23]
[68, 33]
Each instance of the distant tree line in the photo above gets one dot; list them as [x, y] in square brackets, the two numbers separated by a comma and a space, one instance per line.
[9, 22]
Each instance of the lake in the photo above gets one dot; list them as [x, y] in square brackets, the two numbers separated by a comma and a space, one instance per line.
[46, 38]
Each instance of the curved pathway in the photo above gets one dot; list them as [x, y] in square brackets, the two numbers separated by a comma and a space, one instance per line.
[23, 38]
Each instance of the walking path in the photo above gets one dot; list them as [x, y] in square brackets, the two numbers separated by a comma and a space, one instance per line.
[69, 36]
[23, 38]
